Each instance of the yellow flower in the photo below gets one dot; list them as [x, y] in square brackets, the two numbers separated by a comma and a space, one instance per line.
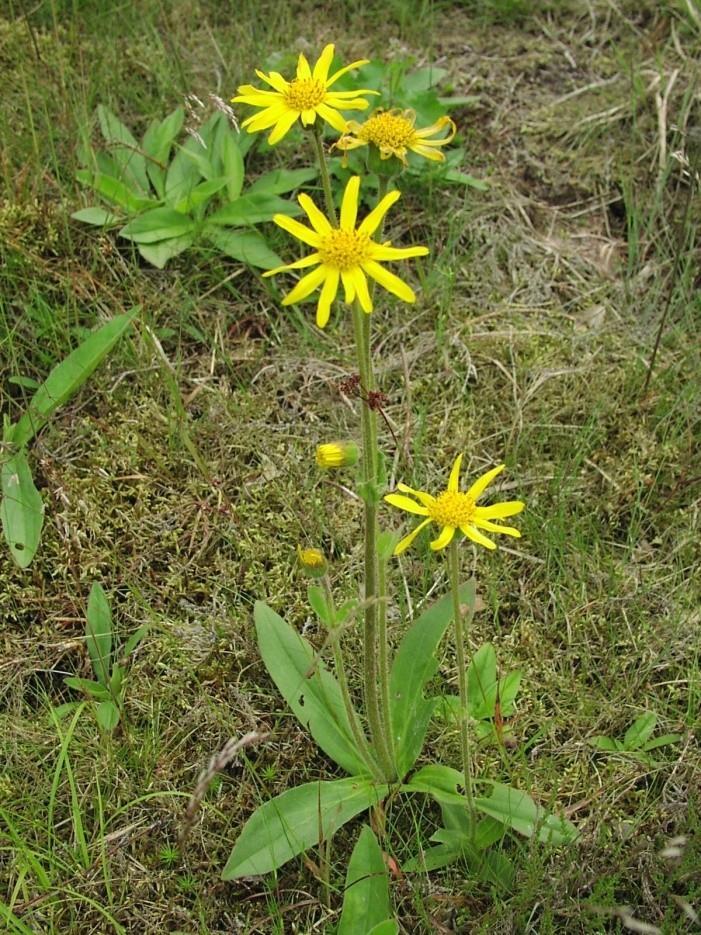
[306, 96]
[454, 510]
[313, 561]
[336, 455]
[393, 132]
[344, 254]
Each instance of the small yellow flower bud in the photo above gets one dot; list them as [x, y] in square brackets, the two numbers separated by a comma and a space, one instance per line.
[313, 562]
[336, 454]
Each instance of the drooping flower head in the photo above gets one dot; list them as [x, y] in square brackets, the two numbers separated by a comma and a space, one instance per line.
[393, 133]
[344, 254]
[452, 510]
[312, 561]
[306, 97]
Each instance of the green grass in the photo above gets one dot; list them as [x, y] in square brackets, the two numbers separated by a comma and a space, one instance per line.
[537, 314]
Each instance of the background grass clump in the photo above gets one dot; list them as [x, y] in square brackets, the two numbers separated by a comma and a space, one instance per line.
[531, 337]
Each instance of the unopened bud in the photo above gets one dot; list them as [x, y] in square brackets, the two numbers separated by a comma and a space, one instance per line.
[333, 455]
[312, 561]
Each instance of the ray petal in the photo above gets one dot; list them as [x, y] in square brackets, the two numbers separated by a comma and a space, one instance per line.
[300, 231]
[310, 260]
[476, 536]
[500, 510]
[303, 69]
[390, 282]
[383, 253]
[331, 116]
[361, 289]
[481, 484]
[445, 538]
[495, 527]
[349, 206]
[323, 63]
[275, 80]
[282, 126]
[406, 503]
[328, 294]
[374, 219]
[318, 220]
[306, 285]
[404, 543]
[346, 68]
[454, 478]
[421, 495]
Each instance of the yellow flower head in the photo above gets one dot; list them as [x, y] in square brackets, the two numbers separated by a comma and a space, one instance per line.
[393, 133]
[336, 455]
[455, 510]
[344, 254]
[313, 561]
[306, 96]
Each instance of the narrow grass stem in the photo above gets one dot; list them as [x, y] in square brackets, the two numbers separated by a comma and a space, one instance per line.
[361, 740]
[324, 172]
[462, 682]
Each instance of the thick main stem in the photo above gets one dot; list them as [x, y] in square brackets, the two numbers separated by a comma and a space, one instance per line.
[462, 682]
[353, 719]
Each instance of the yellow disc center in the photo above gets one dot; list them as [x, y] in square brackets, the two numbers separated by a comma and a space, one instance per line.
[387, 129]
[304, 94]
[344, 250]
[452, 509]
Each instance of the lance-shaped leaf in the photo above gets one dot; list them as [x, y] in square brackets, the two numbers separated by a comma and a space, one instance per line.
[98, 633]
[518, 811]
[69, 376]
[252, 209]
[308, 687]
[22, 509]
[297, 820]
[414, 665]
[124, 149]
[366, 901]
[280, 181]
[248, 246]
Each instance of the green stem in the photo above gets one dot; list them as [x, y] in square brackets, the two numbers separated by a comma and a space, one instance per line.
[324, 172]
[358, 733]
[462, 682]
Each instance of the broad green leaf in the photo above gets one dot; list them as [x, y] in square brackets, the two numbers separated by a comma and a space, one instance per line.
[508, 689]
[158, 141]
[190, 164]
[640, 731]
[116, 680]
[280, 181]
[114, 190]
[663, 741]
[232, 163]
[606, 744]
[95, 215]
[88, 686]
[366, 893]
[159, 224]
[252, 209]
[98, 633]
[248, 246]
[107, 714]
[414, 665]
[481, 682]
[134, 640]
[124, 149]
[422, 79]
[308, 687]
[69, 376]
[297, 820]
[199, 195]
[22, 509]
[518, 811]
[440, 782]
[159, 253]
[454, 175]
[388, 927]
[433, 858]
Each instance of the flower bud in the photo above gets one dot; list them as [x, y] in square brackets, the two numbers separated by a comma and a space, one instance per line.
[312, 561]
[336, 455]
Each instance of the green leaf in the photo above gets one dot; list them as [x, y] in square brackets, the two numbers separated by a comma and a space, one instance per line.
[453, 175]
[518, 811]
[158, 142]
[22, 509]
[280, 181]
[319, 604]
[199, 195]
[414, 665]
[422, 79]
[98, 633]
[440, 782]
[388, 927]
[433, 858]
[663, 741]
[189, 165]
[134, 640]
[482, 682]
[107, 714]
[640, 731]
[366, 894]
[232, 163]
[159, 224]
[159, 253]
[69, 376]
[116, 681]
[606, 744]
[114, 190]
[252, 209]
[124, 149]
[297, 820]
[97, 216]
[508, 689]
[248, 246]
[88, 686]
[309, 689]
